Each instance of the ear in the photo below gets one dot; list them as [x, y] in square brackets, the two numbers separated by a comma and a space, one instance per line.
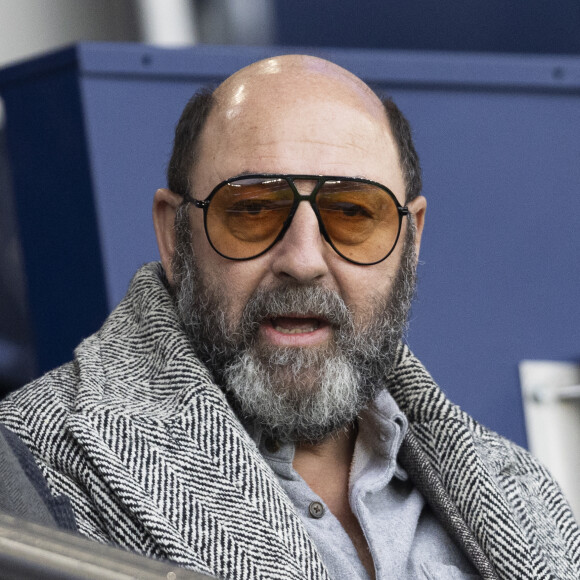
[165, 204]
[418, 207]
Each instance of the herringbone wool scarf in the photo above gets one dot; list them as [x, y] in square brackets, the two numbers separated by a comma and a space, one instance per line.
[152, 457]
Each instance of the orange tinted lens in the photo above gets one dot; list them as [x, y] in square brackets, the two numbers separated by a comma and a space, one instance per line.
[245, 216]
[361, 219]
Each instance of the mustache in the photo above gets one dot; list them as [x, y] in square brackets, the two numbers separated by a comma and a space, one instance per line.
[310, 301]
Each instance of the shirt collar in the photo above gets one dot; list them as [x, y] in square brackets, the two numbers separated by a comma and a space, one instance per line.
[381, 429]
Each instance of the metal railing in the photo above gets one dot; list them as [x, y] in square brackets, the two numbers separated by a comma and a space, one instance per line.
[29, 551]
[550, 394]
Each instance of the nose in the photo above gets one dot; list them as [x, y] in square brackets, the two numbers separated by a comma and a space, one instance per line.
[301, 254]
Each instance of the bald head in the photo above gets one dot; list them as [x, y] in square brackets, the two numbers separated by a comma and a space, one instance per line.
[295, 78]
[301, 97]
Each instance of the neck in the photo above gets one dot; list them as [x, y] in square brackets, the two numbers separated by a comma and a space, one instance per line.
[331, 457]
[325, 467]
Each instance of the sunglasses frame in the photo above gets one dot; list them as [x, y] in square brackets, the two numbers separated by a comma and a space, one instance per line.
[299, 197]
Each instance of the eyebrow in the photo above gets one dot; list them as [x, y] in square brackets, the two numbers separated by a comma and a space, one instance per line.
[250, 172]
[247, 172]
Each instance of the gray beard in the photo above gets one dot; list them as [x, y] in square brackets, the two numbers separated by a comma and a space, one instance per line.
[293, 394]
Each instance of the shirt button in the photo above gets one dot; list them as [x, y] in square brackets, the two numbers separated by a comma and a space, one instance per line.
[316, 509]
[272, 445]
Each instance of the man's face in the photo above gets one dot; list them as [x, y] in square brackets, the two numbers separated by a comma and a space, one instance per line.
[295, 393]
[292, 312]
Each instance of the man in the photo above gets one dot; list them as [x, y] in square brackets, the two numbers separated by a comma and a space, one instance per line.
[249, 409]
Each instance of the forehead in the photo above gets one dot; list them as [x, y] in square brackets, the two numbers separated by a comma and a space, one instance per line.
[297, 119]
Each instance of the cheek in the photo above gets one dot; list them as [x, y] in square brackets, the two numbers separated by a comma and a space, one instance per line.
[201, 246]
[231, 283]
[362, 286]
[242, 279]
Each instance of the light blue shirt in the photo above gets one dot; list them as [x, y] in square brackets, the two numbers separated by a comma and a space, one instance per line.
[405, 539]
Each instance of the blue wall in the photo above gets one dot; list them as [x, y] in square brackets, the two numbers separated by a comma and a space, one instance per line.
[500, 146]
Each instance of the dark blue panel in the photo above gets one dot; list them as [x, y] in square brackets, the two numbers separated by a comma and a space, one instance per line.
[53, 196]
[17, 363]
[517, 26]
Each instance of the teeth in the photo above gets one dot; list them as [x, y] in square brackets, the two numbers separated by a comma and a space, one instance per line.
[303, 329]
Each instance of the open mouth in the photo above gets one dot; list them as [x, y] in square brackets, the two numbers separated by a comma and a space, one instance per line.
[296, 324]
[296, 330]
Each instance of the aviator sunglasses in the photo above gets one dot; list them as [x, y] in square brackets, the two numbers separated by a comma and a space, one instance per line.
[245, 216]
